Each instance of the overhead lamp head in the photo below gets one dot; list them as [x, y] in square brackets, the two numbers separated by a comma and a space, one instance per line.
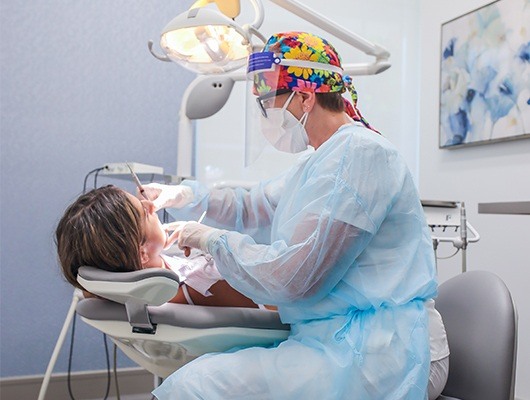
[205, 41]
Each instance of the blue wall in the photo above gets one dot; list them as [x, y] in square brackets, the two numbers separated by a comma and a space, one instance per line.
[78, 89]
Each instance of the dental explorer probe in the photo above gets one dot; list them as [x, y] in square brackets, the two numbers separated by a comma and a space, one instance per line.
[137, 182]
[201, 218]
[175, 224]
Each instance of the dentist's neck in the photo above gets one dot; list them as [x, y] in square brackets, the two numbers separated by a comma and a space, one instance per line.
[322, 124]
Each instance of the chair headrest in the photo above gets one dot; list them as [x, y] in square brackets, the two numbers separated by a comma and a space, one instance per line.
[151, 286]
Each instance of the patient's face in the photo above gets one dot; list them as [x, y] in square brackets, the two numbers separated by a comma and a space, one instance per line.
[155, 235]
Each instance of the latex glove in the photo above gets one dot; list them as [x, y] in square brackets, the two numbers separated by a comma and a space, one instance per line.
[195, 235]
[174, 228]
[163, 196]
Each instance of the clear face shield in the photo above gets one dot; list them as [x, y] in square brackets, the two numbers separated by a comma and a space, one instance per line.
[269, 125]
[266, 125]
[255, 142]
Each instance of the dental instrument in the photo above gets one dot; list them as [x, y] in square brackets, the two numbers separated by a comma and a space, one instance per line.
[170, 226]
[201, 218]
[137, 182]
[449, 223]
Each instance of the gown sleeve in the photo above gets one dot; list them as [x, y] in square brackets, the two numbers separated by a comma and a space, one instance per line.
[246, 211]
[327, 216]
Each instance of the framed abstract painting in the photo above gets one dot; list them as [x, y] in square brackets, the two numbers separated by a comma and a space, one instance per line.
[485, 75]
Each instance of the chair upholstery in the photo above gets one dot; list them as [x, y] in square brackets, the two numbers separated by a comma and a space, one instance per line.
[162, 338]
[481, 325]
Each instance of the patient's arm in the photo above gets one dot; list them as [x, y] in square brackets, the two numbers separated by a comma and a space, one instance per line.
[97, 280]
[89, 295]
[223, 295]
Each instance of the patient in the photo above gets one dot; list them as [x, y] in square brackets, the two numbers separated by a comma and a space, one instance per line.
[111, 229]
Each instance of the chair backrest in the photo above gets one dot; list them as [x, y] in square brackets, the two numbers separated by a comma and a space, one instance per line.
[481, 323]
[150, 286]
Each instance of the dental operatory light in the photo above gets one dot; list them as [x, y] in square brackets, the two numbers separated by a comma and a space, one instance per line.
[209, 41]
[206, 40]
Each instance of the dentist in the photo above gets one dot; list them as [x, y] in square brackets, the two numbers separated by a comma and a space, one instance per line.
[339, 243]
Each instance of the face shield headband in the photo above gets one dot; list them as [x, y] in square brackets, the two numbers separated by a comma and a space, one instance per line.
[272, 75]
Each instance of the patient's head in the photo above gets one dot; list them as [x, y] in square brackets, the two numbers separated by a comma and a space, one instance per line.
[109, 229]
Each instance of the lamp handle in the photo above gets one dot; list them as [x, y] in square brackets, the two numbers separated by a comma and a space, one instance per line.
[161, 58]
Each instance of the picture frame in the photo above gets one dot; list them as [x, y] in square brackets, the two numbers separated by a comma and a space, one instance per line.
[485, 75]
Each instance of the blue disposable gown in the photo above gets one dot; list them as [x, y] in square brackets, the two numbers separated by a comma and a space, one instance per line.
[341, 245]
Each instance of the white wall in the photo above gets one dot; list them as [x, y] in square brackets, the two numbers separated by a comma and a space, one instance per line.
[389, 101]
[491, 173]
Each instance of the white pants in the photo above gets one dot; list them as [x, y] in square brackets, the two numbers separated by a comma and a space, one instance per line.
[438, 377]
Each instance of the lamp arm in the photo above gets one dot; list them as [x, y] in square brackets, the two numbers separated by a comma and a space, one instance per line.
[366, 69]
[259, 14]
[295, 7]
[238, 75]
[186, 133]
[184, 145]
[251, 30]
[185, 148]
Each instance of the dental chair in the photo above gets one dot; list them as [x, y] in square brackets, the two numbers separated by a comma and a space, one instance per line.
[161, 337]
[478, 312]
[481, 324]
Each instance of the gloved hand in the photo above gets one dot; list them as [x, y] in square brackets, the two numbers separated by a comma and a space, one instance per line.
[175, 228]
[195, 235]
[164, 196]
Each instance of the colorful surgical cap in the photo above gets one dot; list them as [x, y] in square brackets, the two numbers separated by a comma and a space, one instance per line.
[307, 47]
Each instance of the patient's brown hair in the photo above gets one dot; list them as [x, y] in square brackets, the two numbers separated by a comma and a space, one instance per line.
[103, 229]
